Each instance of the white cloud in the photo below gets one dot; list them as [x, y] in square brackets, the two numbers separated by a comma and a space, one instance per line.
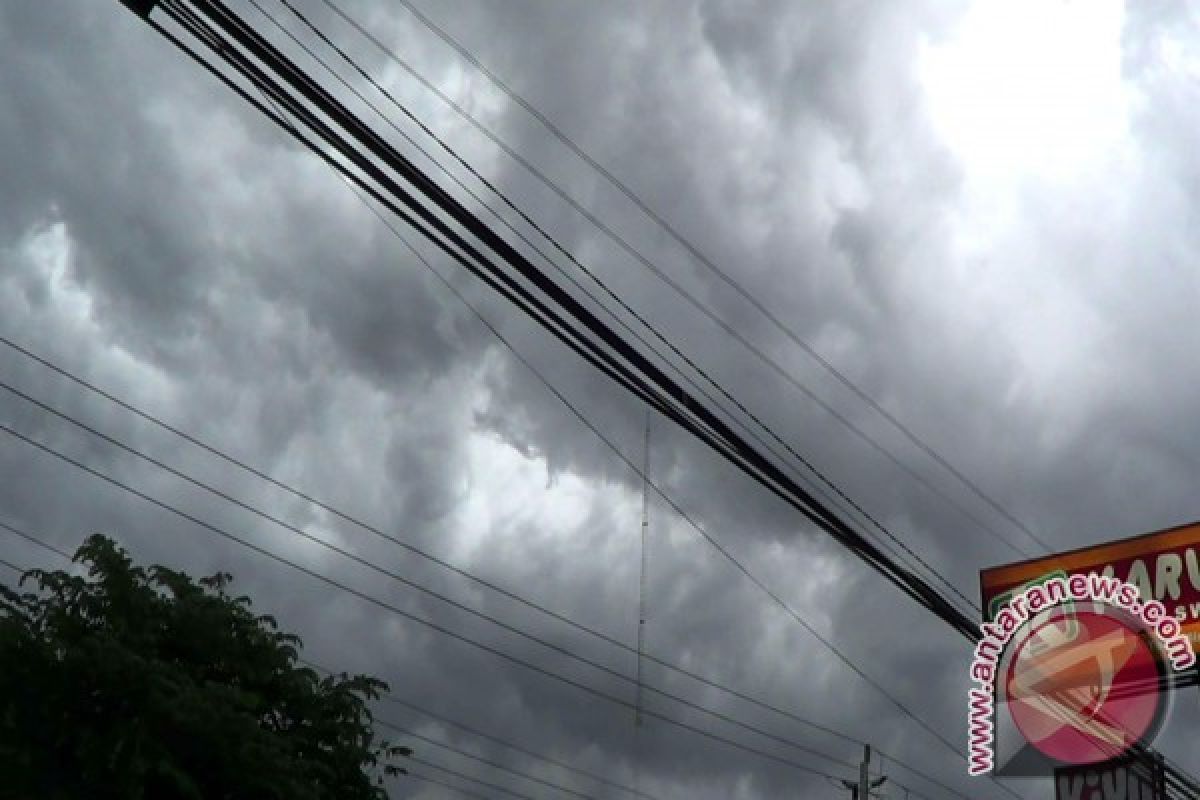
[1027, 89]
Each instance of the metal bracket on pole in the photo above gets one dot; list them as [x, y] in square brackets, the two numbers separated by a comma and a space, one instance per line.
[862, 788]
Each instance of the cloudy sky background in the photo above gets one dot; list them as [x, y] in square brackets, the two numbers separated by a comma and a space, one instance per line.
[984, 214]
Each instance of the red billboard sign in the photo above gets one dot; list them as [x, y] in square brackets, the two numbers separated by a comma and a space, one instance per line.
[1164, 565]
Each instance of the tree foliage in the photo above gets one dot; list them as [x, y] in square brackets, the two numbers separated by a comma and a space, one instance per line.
[140, 682]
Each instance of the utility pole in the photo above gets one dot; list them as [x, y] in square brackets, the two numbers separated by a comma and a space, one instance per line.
[864, 773]
[861, 789]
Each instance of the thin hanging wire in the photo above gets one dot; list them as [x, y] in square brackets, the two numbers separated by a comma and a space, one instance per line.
[641, 635]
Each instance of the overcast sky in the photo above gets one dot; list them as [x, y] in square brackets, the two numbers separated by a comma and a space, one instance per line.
[983, 214]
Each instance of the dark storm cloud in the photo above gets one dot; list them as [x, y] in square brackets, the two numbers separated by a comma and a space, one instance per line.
[1049, 454]
[272, 318]
[163, 241]
[682, 183]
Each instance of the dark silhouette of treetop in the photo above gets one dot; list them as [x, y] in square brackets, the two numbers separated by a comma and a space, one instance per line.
[142, 682]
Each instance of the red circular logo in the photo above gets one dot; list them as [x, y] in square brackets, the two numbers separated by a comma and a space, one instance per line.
[1084, 686]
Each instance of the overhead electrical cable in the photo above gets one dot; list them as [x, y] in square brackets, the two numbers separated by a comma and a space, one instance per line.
[683, 421]
[391, 697]
[700, 306]
[397, 610]
[495, 787]
[473, 731]
[623, 362]
[574, 410]
[419, 551]
[342, 515]
[34, 540]
[63, 554]
[244, 50]
[710, 429]
[594, 277]
[392, 575]
[496, 765]
[692, 249]
[691, 522]
[608, 351]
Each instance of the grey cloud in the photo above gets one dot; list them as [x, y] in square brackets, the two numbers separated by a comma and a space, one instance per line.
[238, 289]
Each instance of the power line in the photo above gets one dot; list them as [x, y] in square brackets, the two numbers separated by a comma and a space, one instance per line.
[845, 498]
[624, 364]
[34, 540]
[391, 607]
[606, 351]
[493, 786]
[211, 449]
[344, 553]
[704, 425]
[750, 461]
[594, 340]
[509, 594]
[590, 273]
[487, 762]
[691, 522]
[698, 304]
[388, 696]
[700, 257]
[393, 539]
[409, 773]
[683, 292]
[735, 449]
[582, 331]
[744, 457]
[391, 697]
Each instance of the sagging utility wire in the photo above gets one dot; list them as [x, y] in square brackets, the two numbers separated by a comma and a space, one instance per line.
[393, 180]
[383, 172]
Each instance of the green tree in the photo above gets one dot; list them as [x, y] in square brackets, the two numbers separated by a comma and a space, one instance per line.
[144, 683]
